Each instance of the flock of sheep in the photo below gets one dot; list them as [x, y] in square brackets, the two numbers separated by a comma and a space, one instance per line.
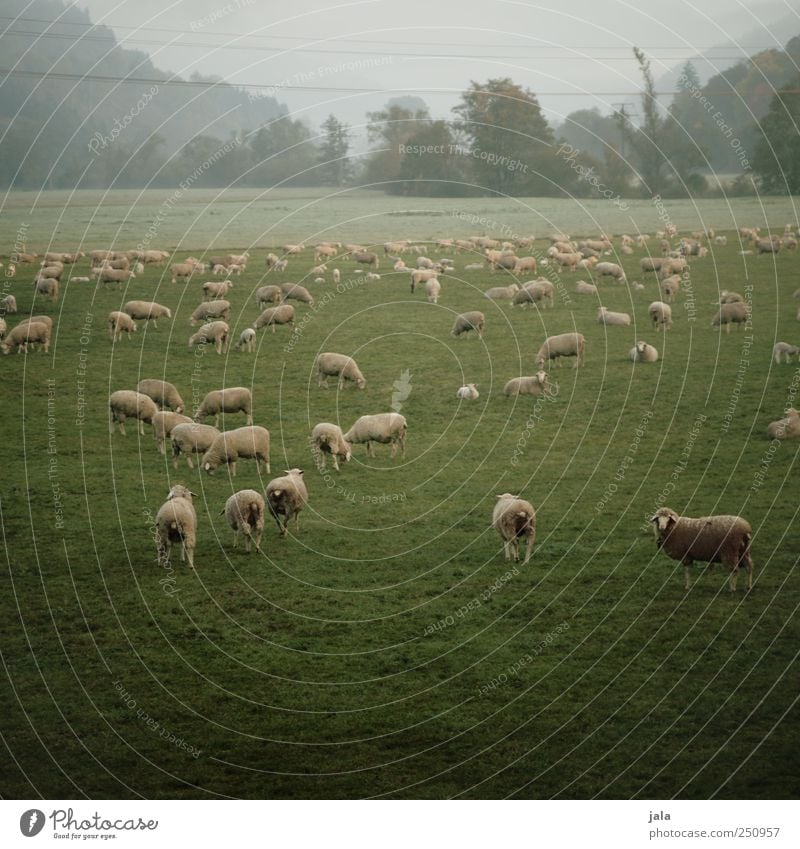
[724, 539]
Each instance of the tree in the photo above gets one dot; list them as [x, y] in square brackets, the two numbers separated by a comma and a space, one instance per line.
[432, 167]
[590, 131]
[777, 154]
[334, 168]
[645, 140]
[388, 130]
[282, 153]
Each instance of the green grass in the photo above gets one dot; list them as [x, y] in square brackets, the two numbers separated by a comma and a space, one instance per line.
[318, 669]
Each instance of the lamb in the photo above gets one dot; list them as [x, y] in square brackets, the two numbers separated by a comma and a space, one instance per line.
[215, 332]
[562, 345]
[298, 293]
[502, 293]
[214, 310]
[514, 518]
[432, 289]
[247, 341]
[643, 353]
[333, 365]
[251, 442]
[163, 393]
[612, 319]
[287, 496]
[163, 424]
[236, 399]
[385, 428]
[268, 295]
[467, 321]
[327, 438]
[273, 316]
[736, 313]
[537, 384]
[8, 304]
[49, 287]
[708, 539]
[366, 258]
[784, 349]
[191, 439]
[785, 428]
[27, 333]
[245, 512]
[119, 323]
[661, 315]
[468, 392]
[218, 270]
[610, 269]
[584, 288]
[176, 522]
[127, 404]
[146, 311]
[184, 270]
[216, 289]
[337, 275]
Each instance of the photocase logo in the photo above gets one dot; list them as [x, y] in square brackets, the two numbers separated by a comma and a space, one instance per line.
[402, 389]
[31, 822]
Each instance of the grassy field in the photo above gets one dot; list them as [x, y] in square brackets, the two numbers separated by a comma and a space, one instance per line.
[389, 650]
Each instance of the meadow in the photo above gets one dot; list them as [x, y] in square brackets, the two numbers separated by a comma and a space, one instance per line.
[388, 649]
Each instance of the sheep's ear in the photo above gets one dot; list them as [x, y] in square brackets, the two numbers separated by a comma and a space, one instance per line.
[194, 494]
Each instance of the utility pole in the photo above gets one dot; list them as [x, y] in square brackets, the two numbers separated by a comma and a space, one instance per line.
[623, 116]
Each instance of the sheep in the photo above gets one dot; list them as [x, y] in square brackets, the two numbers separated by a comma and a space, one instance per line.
[327, 438]
[661, 315]
[784, 349]
[525, 264]
[3, 328]
[673, 265]
[643, 353]
[514, 518]
[42, 319]
[535, 291]
[26, 257]
[785, 428]
[385, 428]
[47, 287]
[421, 275]
[708, 539]
[27, 333]
[51, 272]
[235, 399]
[474, 266]
[670, 287]
[8, 304]
[584, 288]
[271, 261]
[287, 496]
[184, 270]
[247, 341]
[537, 384]
[502, 293]
[215, 332]
[432, 289]
[146, 311]
[736, 313]
[562, 345]
[333, 365]
[125, 404]
[372, 277]
[106, 274]
[176, 522]
[726, 297]
[467, 321]
[319, 271]
[468, 392]
[122, 264]
[298, 293]
[216, 289]
[268, 295]
[720, 240]
[651, 264]
[218, 270]
[273, 316]
[163, 393]
[291, 250]
[163, 424]
[337, 275]
[366, 258]
[245, 512]
[119, 323]
[612, 319]
[191, 439]
[211, 310]
[610, 269]
[251, 442]
[770, 245]
[154, 257]
[324, 252]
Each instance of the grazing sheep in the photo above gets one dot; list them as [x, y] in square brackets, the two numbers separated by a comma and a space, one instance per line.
[163, 424]
[726, 297]
[337, 275]
[42, 319]
[219, 270]
[27, 333]
[661, 315]
[432, 289]
[182, 270]
[176, 522]
[333, 365]
[286, 497]
[146, 311]
[735, 313]
[612, 319]
[268, 295]
[514, 518]
[324, 252]
[293, 291]
[584, 288]
[502, 293]
[385, 428]
[421, 275]
[785, 428]
[610, 269]
[273, 316]
[770, 245]
[525, 264]
[3, 328]
[708, 539]
[191, 439]
[784, 349]
[247, 341]
[251, 442]
[163, 393]
[649, 264]
[47, 287]
[235, 399]
[127, 404]
[533, 292]
[562, 345]
[119, 323]
[366, 258]
[211, 310]
[215, 332]
[537, 384]
[468, 392]
[643, 353]
[8, 304]
[216, 289]
[467, 321]
[241, 259]
[670, 287]
[245, 512]
[327, 438]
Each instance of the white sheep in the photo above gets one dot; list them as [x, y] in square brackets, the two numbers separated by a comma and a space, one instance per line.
[726, 297]
[670, 286]
[3, 328]
[643, 353]
[251, 442]
[286, 497]
[537, 384]
[737, 313]
[293, 291]
[584, 288]
[247, 340]
[337, 275]
[176, 523]
[384, 428]
[215, 332]
[273, 316]
[127, 404]
[235, 399]
[468, 392]
[163, 393]
[327, 438]
[784, 349]
[211, 311]
[610, 269]
[27, 333]
[163, 424]
[612, 319]
[146, 311]
[785, 428]
[191, 439]
[514, 518]
[502, 293]
[45, 286]
[708, 539]
[245, 512]
[469, 321]
[182, 270]
[119, 323]
[268, 295]
[338, 365]
[8, 304]
[535, 291]
[216, 289]
[661, 315]
[562, 345]
[432, 289]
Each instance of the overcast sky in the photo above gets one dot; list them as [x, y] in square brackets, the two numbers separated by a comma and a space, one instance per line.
[572, 53]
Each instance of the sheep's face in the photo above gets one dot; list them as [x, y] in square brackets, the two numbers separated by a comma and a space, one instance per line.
[640, 347]
[208, 468]
[361, 383]
[663, 521]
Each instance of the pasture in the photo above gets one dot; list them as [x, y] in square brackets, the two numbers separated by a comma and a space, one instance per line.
[388, 649]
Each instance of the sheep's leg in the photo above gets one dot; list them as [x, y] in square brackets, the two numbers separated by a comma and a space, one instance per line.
[189, 460]
[141, 427]
[122, 427]
[529, 549]
[233, 469]
[335, 462]
[734, 577]
[686, 575]
[190, 556]
[160, 444]
[257, 540]
[235, 538]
